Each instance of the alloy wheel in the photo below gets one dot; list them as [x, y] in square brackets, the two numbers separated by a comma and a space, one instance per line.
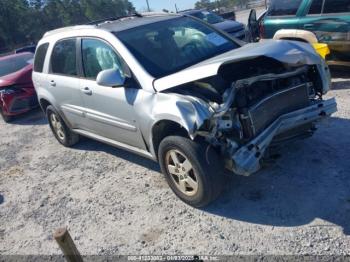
[57, 126]
[181, 172]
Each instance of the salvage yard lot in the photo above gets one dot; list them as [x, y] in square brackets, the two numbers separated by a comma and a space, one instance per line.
[115, 202]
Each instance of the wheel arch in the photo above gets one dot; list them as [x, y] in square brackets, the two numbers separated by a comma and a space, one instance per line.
[164, 128]
[295, 39]
[44, 103]
[296, 35]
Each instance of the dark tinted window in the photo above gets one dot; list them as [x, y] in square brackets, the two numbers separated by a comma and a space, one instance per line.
[283, 7]
[336, 6]
[316, 7]
[40, 57]
[99, 56]
[63, 59]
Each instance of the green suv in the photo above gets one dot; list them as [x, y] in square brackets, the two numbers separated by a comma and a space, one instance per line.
[328, 19]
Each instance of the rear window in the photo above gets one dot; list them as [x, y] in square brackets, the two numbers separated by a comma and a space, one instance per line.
[336, 6]
[40, 57]
[283, 7]
[63, 58]
[12, 64]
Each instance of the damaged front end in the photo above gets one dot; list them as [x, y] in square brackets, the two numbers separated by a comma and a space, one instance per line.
[265, 109]
[268, 102]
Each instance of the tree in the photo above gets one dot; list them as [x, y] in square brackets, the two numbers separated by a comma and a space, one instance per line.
[25, 21]
[216, 4]
[205, 4]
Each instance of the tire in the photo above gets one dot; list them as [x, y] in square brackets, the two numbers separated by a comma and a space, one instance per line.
[59, 128]
[207, 170]
[7, 119]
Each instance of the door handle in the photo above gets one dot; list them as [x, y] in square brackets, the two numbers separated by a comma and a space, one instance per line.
[86, 91]
[52, 83]
[309, 26]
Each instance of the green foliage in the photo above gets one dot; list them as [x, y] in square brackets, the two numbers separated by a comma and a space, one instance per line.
[25, 21]
[214, 4]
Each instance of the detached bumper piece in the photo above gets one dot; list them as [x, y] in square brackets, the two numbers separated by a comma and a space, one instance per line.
[246, 160]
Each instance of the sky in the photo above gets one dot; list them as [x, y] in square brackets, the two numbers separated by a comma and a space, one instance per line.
[158, 5]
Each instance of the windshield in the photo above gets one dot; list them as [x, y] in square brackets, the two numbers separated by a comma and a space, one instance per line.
[168, 46]
[13, 64]
[208, 17]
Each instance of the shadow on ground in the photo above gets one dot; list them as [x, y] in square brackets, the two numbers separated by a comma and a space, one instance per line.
[87, 144]
[341, 78]
[311, 180]
[1, 199]
[340, 71]
[341, 85]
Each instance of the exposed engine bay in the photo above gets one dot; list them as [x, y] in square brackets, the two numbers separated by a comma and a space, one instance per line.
[255, 103]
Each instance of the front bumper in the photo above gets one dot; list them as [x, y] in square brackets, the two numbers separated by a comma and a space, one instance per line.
[247, 159]
[18, 103]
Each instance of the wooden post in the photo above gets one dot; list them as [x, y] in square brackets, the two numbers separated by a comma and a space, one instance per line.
[64, 240]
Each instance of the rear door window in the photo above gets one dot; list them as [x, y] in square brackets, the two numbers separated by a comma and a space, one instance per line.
[336, 6]
[63, 58]
[284, 7]
[40, 57]
[316, 7]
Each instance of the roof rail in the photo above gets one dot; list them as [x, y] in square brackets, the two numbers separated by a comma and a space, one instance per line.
[110, 19]
[63, 29]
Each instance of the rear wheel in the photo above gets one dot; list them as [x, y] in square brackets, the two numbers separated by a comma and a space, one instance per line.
[193, 170]
[61, 131]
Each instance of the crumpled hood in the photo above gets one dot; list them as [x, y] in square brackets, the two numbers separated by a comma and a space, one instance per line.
[229, 26]
[288, 52]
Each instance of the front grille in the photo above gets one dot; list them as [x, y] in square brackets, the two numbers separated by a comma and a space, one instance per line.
[269, 109]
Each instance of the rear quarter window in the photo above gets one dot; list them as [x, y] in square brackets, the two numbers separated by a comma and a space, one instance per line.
[40, 57]
[284, 7]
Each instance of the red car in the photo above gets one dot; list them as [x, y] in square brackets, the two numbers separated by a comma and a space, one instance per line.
[17, 94]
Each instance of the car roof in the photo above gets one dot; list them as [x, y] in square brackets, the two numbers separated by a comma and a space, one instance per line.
[119, 24]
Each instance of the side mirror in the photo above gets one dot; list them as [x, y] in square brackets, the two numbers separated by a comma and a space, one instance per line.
[110, 77]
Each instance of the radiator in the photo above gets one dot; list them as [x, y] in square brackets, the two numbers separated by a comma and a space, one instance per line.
[265, 112]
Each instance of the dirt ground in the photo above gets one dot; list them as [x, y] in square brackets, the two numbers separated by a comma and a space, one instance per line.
[114, 202]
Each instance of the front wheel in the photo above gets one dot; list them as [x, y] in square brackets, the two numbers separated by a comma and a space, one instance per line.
[193, 170]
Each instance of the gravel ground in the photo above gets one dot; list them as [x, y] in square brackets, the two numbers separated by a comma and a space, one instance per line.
[115, 202]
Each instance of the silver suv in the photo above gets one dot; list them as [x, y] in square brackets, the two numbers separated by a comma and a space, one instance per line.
[176, 90]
